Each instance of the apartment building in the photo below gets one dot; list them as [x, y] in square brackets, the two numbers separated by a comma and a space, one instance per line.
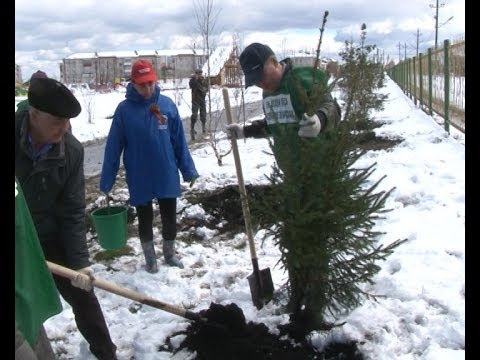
[110, 67]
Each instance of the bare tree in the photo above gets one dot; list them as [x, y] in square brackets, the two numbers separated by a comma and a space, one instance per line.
[88, 100]
[238, 112]
[206, 18]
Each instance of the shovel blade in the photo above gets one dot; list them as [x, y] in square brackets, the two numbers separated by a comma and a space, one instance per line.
[261, 292]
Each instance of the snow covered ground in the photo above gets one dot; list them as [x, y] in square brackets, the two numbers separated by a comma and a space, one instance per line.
[421, 313]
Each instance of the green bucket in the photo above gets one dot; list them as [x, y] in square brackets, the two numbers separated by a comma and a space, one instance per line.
[111, 225]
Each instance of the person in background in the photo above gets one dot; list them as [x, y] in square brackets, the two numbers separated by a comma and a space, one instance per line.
[49, 168]
[23, 105]
[285, 96]
[199, 86]
[147, 128]
[36, 297]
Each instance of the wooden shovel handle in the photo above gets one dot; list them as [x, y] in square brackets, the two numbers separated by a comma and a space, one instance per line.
[241, 183]
[125, 292]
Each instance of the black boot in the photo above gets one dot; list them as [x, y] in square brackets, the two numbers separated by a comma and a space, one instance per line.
[192, 132]
[204, 131]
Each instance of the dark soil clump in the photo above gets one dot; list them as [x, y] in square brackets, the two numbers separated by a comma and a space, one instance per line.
[226, 335]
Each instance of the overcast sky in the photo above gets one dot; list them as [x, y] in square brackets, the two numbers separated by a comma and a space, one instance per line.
[47, 31]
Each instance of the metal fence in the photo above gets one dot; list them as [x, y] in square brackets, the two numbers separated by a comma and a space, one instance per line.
[436, 82]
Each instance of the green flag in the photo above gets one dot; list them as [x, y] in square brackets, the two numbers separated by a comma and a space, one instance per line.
[36, 296]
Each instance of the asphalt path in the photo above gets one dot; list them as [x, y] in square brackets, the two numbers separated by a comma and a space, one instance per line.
[94, 151]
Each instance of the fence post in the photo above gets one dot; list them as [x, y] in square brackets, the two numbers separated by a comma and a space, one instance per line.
[414, 72]
[400, 76]
[410, 82]
[446, 97]
[405, 69]
[407, 90]
[420, 79]
[430, 85]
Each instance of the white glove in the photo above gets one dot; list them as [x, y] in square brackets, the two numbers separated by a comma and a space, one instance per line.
[235, 131]
[84, 279]
[309, 126]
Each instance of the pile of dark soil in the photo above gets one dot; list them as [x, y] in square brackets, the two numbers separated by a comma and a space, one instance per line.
[226, 335]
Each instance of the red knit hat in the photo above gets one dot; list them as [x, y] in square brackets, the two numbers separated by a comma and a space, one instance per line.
[142, 72]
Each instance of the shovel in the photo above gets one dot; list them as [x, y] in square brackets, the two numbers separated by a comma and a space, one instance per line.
[125, 292]
[260, 281]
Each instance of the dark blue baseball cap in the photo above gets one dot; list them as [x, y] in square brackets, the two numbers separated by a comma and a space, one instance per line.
[252, 59]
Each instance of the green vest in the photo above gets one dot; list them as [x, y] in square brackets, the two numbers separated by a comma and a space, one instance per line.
[36, 296]
[286, 105]
[284, 108]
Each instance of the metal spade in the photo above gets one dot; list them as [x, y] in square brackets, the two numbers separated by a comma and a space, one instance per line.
[260, 281]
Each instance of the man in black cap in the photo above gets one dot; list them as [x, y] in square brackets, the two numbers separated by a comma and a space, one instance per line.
[49, 167]
[23, 105]
[199, 86]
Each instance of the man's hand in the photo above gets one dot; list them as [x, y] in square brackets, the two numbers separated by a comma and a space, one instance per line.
[235, 131]
[84, 279]
[310, 126]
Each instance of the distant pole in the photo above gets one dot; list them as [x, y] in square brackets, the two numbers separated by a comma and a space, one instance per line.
[418, 37]
[436, 26]
[436, 20]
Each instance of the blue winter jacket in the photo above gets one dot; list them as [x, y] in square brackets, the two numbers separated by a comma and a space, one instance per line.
[154, 150]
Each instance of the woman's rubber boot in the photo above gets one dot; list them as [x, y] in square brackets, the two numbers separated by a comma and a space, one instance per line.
[150, 257]
[169, 254]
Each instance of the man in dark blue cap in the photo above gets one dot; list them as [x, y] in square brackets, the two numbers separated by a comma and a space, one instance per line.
[296, 123]
[252, 60]
[282, 106]
[49, 167]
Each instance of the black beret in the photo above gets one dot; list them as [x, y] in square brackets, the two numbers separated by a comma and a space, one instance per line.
[53, 97]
